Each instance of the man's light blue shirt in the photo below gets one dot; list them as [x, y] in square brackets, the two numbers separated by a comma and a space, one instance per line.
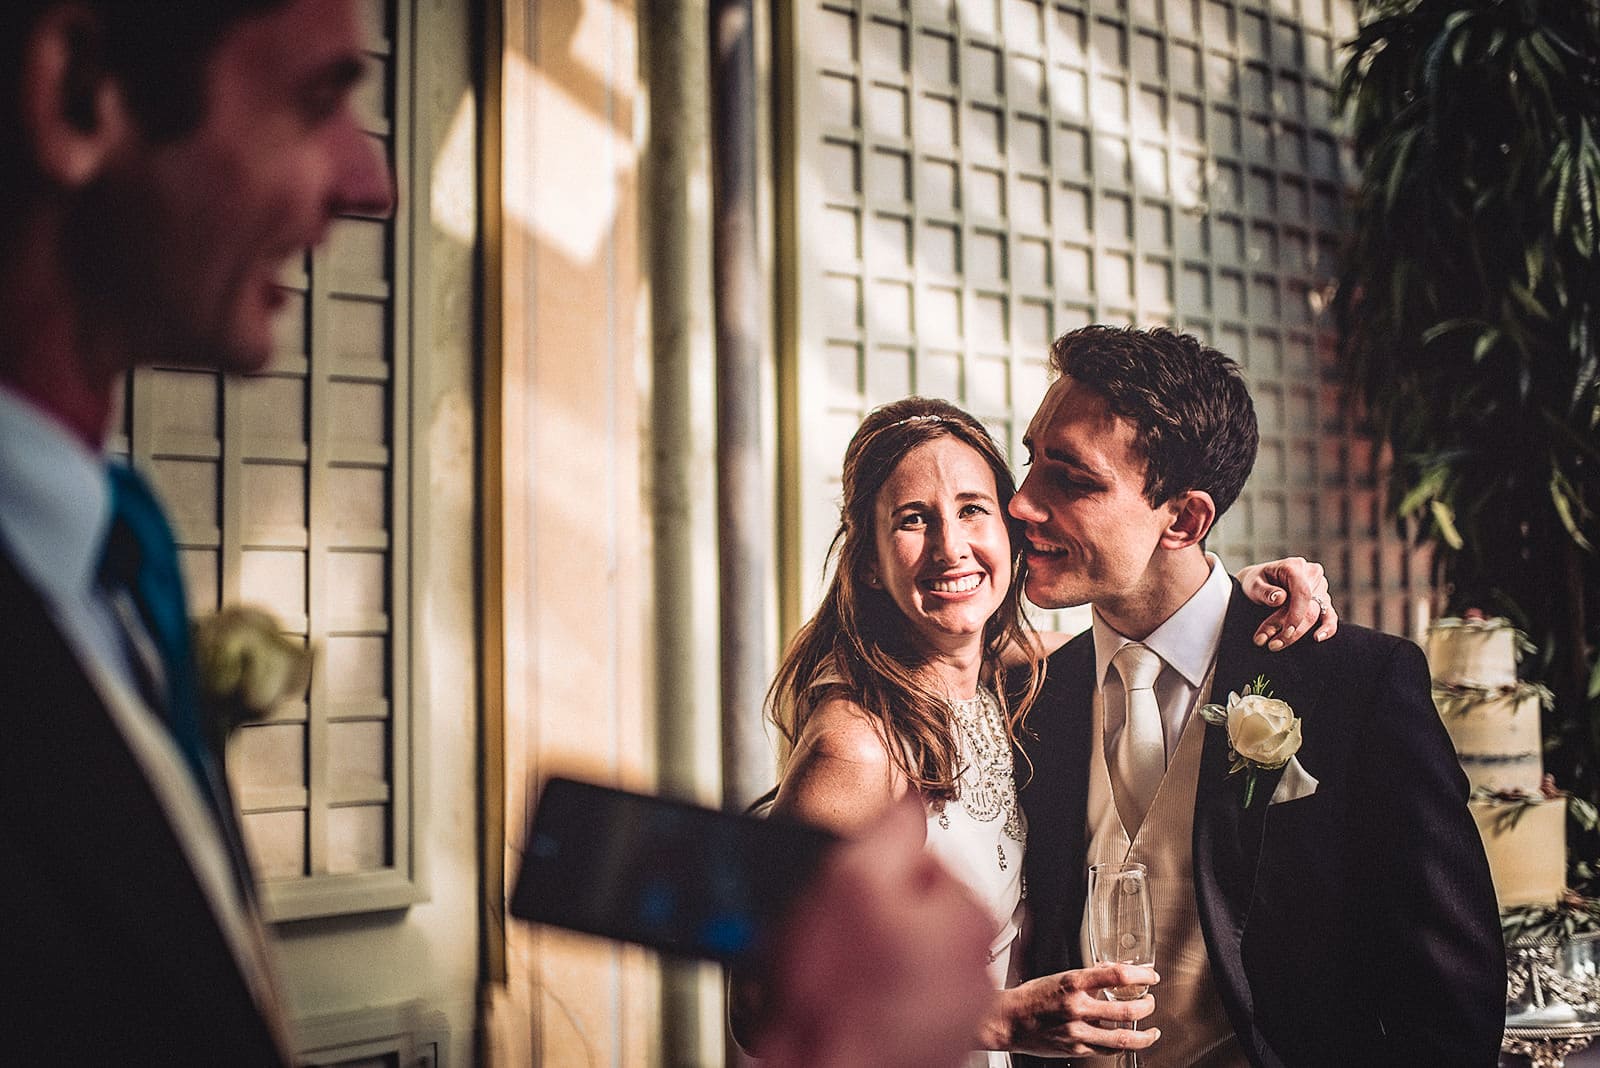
[55, 512]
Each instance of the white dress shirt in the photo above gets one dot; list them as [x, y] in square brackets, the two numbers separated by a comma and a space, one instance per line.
[1187, 644]
[55, 512]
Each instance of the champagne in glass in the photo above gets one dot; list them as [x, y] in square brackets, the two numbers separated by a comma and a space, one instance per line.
[1121, 927]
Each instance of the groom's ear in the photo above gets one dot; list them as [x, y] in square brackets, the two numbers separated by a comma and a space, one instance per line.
[73, 113]
[1193, 512]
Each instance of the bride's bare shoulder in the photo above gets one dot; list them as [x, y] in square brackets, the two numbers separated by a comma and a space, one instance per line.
[840, 774]
[840, 729]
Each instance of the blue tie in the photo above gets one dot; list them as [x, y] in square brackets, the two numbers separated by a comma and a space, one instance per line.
[142, 558]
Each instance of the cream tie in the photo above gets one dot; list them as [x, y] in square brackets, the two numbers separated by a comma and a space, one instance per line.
[1141, 757]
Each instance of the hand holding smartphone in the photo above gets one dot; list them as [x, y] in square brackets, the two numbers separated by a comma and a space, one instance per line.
[879, 959]
[673, 876]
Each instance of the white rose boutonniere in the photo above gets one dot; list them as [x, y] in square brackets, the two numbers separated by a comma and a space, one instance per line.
[1263, 732]
[246, 667]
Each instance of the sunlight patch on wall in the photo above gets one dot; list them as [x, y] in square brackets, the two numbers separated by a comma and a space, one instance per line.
[454, 183]
[564, 164]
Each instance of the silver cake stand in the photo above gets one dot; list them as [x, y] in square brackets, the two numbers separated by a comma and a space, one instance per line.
[1552, 998]
[1548, 1047]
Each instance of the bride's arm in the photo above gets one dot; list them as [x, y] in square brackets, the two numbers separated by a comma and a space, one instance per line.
[1302, 582]
[838, 777]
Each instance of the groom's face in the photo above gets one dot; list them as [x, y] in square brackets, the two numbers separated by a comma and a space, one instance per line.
[184, 240]
[1090, 531]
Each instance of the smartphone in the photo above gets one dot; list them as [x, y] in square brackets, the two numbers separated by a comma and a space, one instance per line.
[676, 877]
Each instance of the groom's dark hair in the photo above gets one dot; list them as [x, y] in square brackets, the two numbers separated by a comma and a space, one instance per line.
[1195, 422]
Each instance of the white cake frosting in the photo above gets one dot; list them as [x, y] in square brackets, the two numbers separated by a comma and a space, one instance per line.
[1497, 738]
[1468, 652]
[1527, 855]
[1494, 722]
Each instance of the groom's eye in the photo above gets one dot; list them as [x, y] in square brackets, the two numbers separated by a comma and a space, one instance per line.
[1075, 485]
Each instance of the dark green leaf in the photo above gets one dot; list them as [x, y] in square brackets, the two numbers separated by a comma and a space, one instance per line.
[1583, 813]
[1527, 300]
[1444, 518]
[1486, 341]
[1438, 330]
[1587, 200]
[1569, 507]
[1558, 217]
[1541, 48]
[1432, 484]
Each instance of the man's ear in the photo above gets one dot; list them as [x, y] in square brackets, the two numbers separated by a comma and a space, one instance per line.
[1193, 513]
[72, 107]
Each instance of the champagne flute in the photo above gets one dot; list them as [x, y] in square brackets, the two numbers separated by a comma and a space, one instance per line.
[1122, 929]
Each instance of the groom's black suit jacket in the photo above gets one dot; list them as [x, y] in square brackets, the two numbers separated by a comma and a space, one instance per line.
[109, 951]
[1357, 926]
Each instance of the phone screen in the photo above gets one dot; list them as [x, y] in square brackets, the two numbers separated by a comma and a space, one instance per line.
[673, 876]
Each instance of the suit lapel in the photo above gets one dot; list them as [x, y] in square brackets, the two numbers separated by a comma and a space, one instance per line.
[1055, 798]
[1227, 835]
[82, 763]
[83, 802]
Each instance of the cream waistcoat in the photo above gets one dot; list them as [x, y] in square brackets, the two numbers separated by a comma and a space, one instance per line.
[1195, 1032]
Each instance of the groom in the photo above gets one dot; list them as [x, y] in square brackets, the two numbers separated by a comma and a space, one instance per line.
[1339, 910]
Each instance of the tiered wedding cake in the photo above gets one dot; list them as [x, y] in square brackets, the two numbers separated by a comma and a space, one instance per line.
[1494, 721]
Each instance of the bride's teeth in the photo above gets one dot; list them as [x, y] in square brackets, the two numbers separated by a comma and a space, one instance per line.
[960, 585]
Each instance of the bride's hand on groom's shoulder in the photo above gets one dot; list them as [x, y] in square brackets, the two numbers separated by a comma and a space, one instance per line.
[1066, 1014]
[1299, 587]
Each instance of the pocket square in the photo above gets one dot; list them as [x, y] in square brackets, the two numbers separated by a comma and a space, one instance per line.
[1296, 783]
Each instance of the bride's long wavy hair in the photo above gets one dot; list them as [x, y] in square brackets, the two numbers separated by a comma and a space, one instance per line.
[860, 646]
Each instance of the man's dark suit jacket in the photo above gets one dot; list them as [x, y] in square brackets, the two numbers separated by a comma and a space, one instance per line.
[1356, 926]
[109, 952]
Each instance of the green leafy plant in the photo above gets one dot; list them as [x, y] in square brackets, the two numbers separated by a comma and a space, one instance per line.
[1572, 916]
[1469, 314]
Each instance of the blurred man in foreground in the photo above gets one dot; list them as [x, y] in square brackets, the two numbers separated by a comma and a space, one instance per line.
[161, 164]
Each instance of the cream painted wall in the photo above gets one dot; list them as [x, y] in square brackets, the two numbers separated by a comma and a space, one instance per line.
[417, 969]
[567, 549]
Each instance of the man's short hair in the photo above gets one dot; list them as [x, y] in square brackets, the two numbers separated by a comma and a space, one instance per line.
[157, 48]
[1192, 413]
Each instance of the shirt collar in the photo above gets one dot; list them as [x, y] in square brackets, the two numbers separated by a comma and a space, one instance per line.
[1189, 638]
[55, 502]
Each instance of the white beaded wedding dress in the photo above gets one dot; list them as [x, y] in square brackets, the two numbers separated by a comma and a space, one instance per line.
[980, 836]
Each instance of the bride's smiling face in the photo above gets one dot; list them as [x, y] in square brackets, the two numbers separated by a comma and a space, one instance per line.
[943, 551]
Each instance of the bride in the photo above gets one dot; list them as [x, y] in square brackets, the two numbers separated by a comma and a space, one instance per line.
[899, 683]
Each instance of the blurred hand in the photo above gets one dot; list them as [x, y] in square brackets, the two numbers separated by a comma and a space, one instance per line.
[884, 961]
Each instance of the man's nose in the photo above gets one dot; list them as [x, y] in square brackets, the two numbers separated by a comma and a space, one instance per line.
[364, 186]
[1021, 506]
